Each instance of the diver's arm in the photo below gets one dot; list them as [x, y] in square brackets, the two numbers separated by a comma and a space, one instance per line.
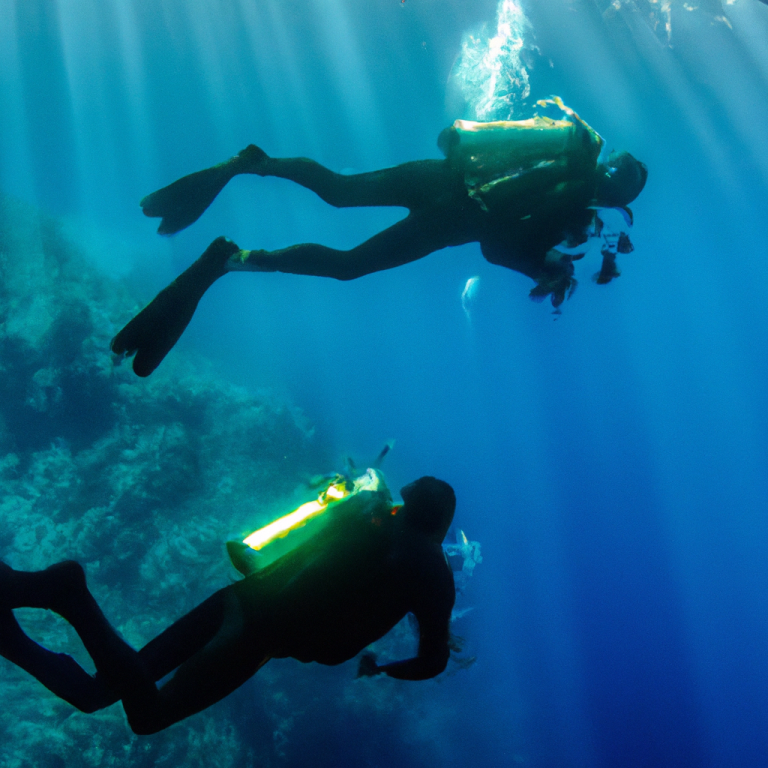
[431, 661]
[573, 252]
[608, 270]
[433, 612]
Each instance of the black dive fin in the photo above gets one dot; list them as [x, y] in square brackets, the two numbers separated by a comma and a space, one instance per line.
[184, 202]
[152, 334]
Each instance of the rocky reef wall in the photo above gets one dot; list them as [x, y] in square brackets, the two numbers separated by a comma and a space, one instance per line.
[142, 481]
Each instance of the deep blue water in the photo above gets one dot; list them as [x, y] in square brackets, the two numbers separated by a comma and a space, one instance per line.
[611, 460]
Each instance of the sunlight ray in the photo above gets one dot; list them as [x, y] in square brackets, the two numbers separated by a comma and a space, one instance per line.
[342, 50]
[15, 173]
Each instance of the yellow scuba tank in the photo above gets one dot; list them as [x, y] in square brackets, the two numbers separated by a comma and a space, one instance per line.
[367, 494]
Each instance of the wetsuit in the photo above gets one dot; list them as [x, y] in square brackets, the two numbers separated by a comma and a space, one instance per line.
[325, 601]
[516, 220]
[517, 188]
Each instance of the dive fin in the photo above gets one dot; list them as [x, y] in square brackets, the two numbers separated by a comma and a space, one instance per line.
[152, 334]
[184, 202]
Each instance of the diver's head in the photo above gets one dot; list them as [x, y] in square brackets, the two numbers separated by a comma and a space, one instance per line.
[622, 179]
[429, 505]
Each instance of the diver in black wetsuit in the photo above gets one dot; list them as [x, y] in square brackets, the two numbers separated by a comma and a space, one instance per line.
[325, 601]
[517, 188]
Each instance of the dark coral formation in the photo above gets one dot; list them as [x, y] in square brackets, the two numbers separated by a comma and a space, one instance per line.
[143, 481]
[140, 481]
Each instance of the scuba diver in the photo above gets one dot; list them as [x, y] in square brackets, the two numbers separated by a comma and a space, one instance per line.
[325, 600]
[518, 188]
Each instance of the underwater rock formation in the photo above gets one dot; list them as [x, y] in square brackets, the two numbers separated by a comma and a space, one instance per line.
[140, 481]
[143, 481]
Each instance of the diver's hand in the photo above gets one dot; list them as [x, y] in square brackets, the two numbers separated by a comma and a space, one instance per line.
[368, 666]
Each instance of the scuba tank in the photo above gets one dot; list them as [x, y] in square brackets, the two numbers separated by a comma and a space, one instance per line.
[491, 153]
[364, 495]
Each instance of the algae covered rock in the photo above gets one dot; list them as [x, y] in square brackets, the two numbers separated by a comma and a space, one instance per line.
[140, 481]
[143, 481]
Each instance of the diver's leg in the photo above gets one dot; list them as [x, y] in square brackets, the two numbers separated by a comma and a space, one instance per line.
[153, 332]
[44, 589]
[417, 184]
[118, 665]
[224, 663]
[416, 236]
[410, 185]
[222, 666]
[122, 672]
[185, 637]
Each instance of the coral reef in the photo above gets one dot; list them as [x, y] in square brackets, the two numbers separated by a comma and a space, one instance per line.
[140, 481]
[143, 481]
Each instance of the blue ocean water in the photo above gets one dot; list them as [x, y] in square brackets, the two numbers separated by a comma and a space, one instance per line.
[611, 460]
